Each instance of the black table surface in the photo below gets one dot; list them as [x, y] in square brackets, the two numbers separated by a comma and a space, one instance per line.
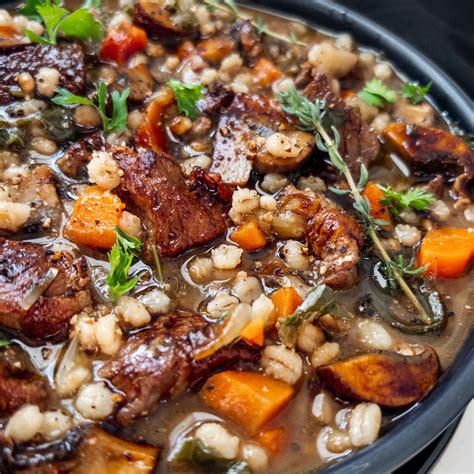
[440, 29]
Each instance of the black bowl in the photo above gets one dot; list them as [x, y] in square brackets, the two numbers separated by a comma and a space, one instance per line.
[427, 419]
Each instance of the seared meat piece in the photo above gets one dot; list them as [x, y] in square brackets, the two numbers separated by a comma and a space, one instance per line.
[140, 82]
[216, 97]
[76, 157]
[249, 42]
[176, 216]
[240, 140]
[68, 59]
[37, 188]
[358, 143]
[158, 363]
[333, 236]
[19, 383]
[159, 19]
[23, 268]
[431, 152]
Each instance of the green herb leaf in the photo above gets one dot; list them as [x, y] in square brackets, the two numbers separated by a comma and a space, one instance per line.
[4, 342]
[80, 24]
[117, 122]
[121, 256]
[187, 96]
[64, 97]
[416, 198]
[375, 92]
[194, 452]
[414, 92]
[318, 302]
[29, 8]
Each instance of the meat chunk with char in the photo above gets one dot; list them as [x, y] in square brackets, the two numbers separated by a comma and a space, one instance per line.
[431, 152]
[25, 269]
[249, 42]
[359, 145]
[68, 59]
[176, 215]
[158, 363]
[333, 236]
[20, 384]
[240, 142]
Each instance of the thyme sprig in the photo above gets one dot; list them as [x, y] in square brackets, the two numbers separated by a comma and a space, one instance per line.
[310, 116]
[230, 7]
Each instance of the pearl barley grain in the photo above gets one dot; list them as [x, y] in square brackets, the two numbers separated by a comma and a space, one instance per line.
[94, 401]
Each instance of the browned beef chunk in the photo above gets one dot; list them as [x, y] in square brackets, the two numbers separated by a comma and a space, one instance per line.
[240, 140]
[20, 384]
[76, 157]
[37, 189]
[158, 363]
[216, 97]
[333, 236]
[431, 152]
[249, 42]
[176, 216]
[358, 143]
[23, 268]
[68, 59]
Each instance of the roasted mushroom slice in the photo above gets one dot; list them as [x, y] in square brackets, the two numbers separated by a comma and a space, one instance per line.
[389, 379]
[166, 19]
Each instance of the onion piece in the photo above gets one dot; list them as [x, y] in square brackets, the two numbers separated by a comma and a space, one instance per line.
[34, 294]
[237, 320]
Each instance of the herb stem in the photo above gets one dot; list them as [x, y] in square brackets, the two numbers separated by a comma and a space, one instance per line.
[157, 262]
[259, 26]
[332, 148]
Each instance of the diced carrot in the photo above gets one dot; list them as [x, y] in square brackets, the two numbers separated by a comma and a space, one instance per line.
[447, 252]
[247, 398]
[254, 331]
[377, 210]
[121, 42]
[150, 134]
[249, 236]
[94, 218]
[286, 300]
[273, 440]
[266, 73]
[216, 49]
[8, 32]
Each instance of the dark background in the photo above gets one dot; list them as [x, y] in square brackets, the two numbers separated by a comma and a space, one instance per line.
[442, 29]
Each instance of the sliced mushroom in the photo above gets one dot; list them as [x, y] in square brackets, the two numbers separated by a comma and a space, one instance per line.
[284, 152]
[386, 378]
[161, 20]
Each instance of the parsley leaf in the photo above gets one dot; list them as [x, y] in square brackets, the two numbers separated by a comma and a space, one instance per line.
[415, 198]
[375, 92]
[121, 256]
[187, 96]
[414, 92]
[80, 24]
[117, 122]
[4, 342]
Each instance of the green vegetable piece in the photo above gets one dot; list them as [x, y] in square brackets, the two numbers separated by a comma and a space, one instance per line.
[195, 453]
[375, 92]
[4, 342]
[121, 256]
[319, 301]
[80, 24]
[414, 92]
[187, 96]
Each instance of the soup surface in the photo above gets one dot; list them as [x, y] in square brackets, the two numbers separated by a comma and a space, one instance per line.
[228, 242]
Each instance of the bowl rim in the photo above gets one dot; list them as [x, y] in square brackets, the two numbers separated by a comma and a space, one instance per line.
[423, 422]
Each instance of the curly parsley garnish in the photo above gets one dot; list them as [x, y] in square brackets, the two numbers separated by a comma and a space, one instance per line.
[414, 92]
[187, 96]
[121, 256]
[117, 122]
[80, 24]
[416, 198]
[375, 92]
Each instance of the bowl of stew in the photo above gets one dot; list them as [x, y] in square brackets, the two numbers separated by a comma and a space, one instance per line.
[232, 240]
